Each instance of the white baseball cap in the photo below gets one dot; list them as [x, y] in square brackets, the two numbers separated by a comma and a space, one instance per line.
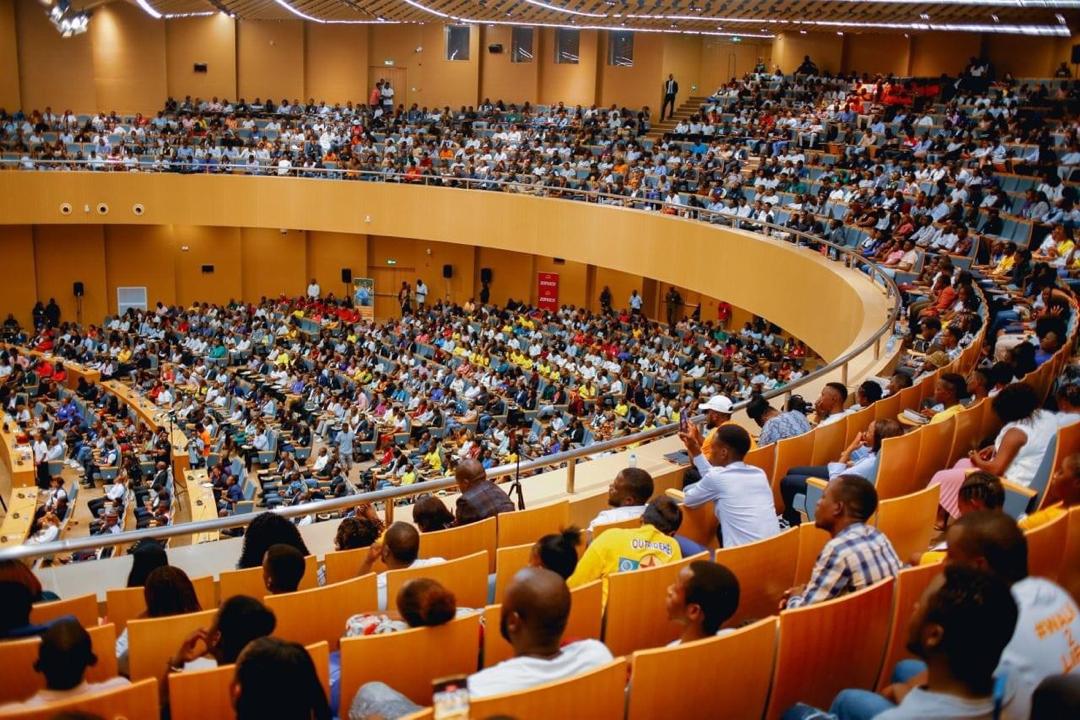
[718, 403]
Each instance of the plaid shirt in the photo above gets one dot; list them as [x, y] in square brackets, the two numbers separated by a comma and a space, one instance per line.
[481, 501]
[858, 557]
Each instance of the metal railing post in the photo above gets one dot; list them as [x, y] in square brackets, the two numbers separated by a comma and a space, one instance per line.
[571, 468]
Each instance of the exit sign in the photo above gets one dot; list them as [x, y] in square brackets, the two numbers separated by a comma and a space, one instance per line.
[391, 261]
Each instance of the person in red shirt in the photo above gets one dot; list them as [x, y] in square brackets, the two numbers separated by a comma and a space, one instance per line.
[723, 313]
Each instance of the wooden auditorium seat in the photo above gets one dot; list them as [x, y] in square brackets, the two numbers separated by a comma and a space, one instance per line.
[599, 694]
[726, 676]
[461, 541]
[585, 621]
[17, 657]
[138, 701]
[125, 604]
[910, 584]
[765, 569]
[508, 560]
[318, 615]
[636, 614]
[908, 521]
[410, 660]
[204, 694]
[153, 641]
[529, 525]
[83, 607]
[829, 646]
[466, 577]
[1046, 547]
[249, 581]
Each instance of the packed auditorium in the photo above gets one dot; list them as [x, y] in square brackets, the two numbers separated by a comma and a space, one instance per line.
[620, 360]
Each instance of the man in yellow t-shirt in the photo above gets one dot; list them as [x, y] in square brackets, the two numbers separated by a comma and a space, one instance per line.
[623, 549]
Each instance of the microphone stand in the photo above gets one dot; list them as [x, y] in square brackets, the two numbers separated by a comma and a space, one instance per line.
[515, 486]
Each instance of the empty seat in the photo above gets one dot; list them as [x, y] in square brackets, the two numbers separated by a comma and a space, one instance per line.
[319, 614]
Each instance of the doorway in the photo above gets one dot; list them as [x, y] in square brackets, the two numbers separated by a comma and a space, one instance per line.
[397, 77]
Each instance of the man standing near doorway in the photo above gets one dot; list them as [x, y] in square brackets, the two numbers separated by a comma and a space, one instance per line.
[671, 89]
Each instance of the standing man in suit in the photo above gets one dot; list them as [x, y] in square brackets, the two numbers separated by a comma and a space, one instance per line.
[671, 89]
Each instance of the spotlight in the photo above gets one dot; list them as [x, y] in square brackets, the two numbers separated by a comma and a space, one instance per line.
[68, 22]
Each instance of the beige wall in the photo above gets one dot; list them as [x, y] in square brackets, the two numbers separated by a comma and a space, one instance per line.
[270, 59]
[9, 57]
[210, 40]
[130, 62]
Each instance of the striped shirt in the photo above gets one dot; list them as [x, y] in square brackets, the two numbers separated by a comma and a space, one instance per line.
[857, 558]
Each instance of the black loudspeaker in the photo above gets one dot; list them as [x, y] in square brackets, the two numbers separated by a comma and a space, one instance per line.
[200, 67]
[1076, 55]
[78, 289]
[448, 271]
[485, 275]
[208, 269]
[495, 49]
[346, 275]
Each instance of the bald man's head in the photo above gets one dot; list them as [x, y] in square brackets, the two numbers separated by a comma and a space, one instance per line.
[535, 608]
[469, 472]
[401, 545]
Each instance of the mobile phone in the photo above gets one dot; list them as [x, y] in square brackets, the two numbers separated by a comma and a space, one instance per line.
[450, 697]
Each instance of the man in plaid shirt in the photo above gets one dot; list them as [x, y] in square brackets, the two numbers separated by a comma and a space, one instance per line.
[480, 498]
[858, 555]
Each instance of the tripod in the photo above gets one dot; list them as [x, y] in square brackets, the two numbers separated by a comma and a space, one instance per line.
[515, 486]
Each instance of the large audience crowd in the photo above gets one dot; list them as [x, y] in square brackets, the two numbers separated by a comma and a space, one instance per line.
[444, 388]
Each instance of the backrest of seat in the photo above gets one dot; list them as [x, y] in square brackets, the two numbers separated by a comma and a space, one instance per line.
[811, 541]
[910, 397]
[508, 560]
[791, 452]
[411, 659]
[586, 616]
[1066, 443]
[19, 680]
[908, 521]
[635, 617]
[895, 461]
[765, 569]
[152, 641]
[935, 444]
[125, 604]
[887, 408]
[317, 615]
[736, 666]
[829, 441]
[1070, 556]
[1046, 547]
[910, 584]
[345, 564]
[599, 530]
[249, 581]
[465, 576]
[764, 458]
[599, 694]
[527, 526]
[83, 607]
[138, 701]
[829, 646]
[966, 432]
[202, 694]
[461, 541]
[854, 423]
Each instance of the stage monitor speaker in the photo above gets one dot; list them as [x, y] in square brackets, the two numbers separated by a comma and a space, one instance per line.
[1076, 54]
[78, 289]
[448, 271]
[485, 275]
[208, 269]
[495, 49]
[346, 275]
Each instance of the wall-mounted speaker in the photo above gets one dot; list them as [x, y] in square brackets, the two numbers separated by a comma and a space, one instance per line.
[346, 275]
[138, 209]
[102, 209]
[65, 208]
[208, 269]
[448, 271]
[1076, 54]
[200, 67]
[495, 48]
[78, 289]
[485, 275]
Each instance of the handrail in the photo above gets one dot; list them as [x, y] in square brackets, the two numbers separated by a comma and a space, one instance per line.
[570, 457]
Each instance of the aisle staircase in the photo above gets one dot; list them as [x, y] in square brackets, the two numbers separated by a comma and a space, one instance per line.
[688, 108]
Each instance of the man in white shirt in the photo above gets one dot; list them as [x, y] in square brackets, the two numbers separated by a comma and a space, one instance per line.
[421, 293]
[635, 302]
[742, 497]
[628, 494]
[63, 657]
[313, 290]
[398, 550]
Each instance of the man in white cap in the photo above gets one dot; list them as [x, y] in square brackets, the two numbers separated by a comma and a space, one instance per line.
[717, 414]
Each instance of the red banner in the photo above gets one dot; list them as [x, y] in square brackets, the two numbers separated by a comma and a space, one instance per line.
[547, 291]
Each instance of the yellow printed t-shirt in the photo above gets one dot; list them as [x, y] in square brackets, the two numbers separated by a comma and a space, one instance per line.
[1040, 518]
[622, 549]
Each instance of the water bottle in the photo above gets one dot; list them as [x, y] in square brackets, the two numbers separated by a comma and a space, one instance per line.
[633, 460]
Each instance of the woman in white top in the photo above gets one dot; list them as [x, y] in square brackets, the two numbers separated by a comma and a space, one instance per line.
[1015, 454]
